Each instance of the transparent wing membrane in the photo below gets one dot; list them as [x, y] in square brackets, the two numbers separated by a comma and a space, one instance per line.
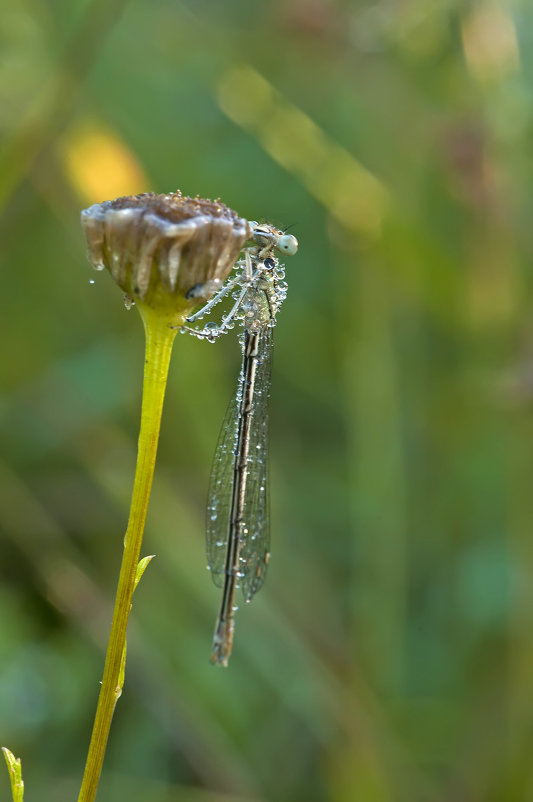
[220, 493]
[254, 531]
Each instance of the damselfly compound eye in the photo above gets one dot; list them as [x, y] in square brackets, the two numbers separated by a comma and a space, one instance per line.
[288, 244]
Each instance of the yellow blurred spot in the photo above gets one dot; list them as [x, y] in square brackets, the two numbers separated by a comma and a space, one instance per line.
[350, 192]
[100, 166]
[490, 43]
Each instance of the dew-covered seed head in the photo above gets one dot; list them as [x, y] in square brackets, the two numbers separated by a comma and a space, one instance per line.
[161, 248]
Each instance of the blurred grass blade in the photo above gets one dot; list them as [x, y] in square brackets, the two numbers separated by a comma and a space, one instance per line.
[15, 774]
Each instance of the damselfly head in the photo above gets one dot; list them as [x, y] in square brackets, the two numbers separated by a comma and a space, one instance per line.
[266, 236]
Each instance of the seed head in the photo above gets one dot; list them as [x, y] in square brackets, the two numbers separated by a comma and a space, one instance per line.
[158, 248]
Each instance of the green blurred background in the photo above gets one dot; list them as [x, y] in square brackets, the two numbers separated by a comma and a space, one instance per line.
[389, 656]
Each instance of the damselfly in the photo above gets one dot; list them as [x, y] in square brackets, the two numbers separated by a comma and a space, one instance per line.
[238, 538]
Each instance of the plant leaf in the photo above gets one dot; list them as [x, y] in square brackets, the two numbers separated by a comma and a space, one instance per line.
[15, 775]
[141, 568]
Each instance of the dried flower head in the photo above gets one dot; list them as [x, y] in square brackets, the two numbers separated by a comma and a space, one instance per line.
[163, 247]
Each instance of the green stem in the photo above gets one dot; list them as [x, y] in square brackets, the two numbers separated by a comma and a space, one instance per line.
[159, 340]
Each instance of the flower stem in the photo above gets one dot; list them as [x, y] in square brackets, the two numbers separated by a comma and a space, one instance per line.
[159, 340]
